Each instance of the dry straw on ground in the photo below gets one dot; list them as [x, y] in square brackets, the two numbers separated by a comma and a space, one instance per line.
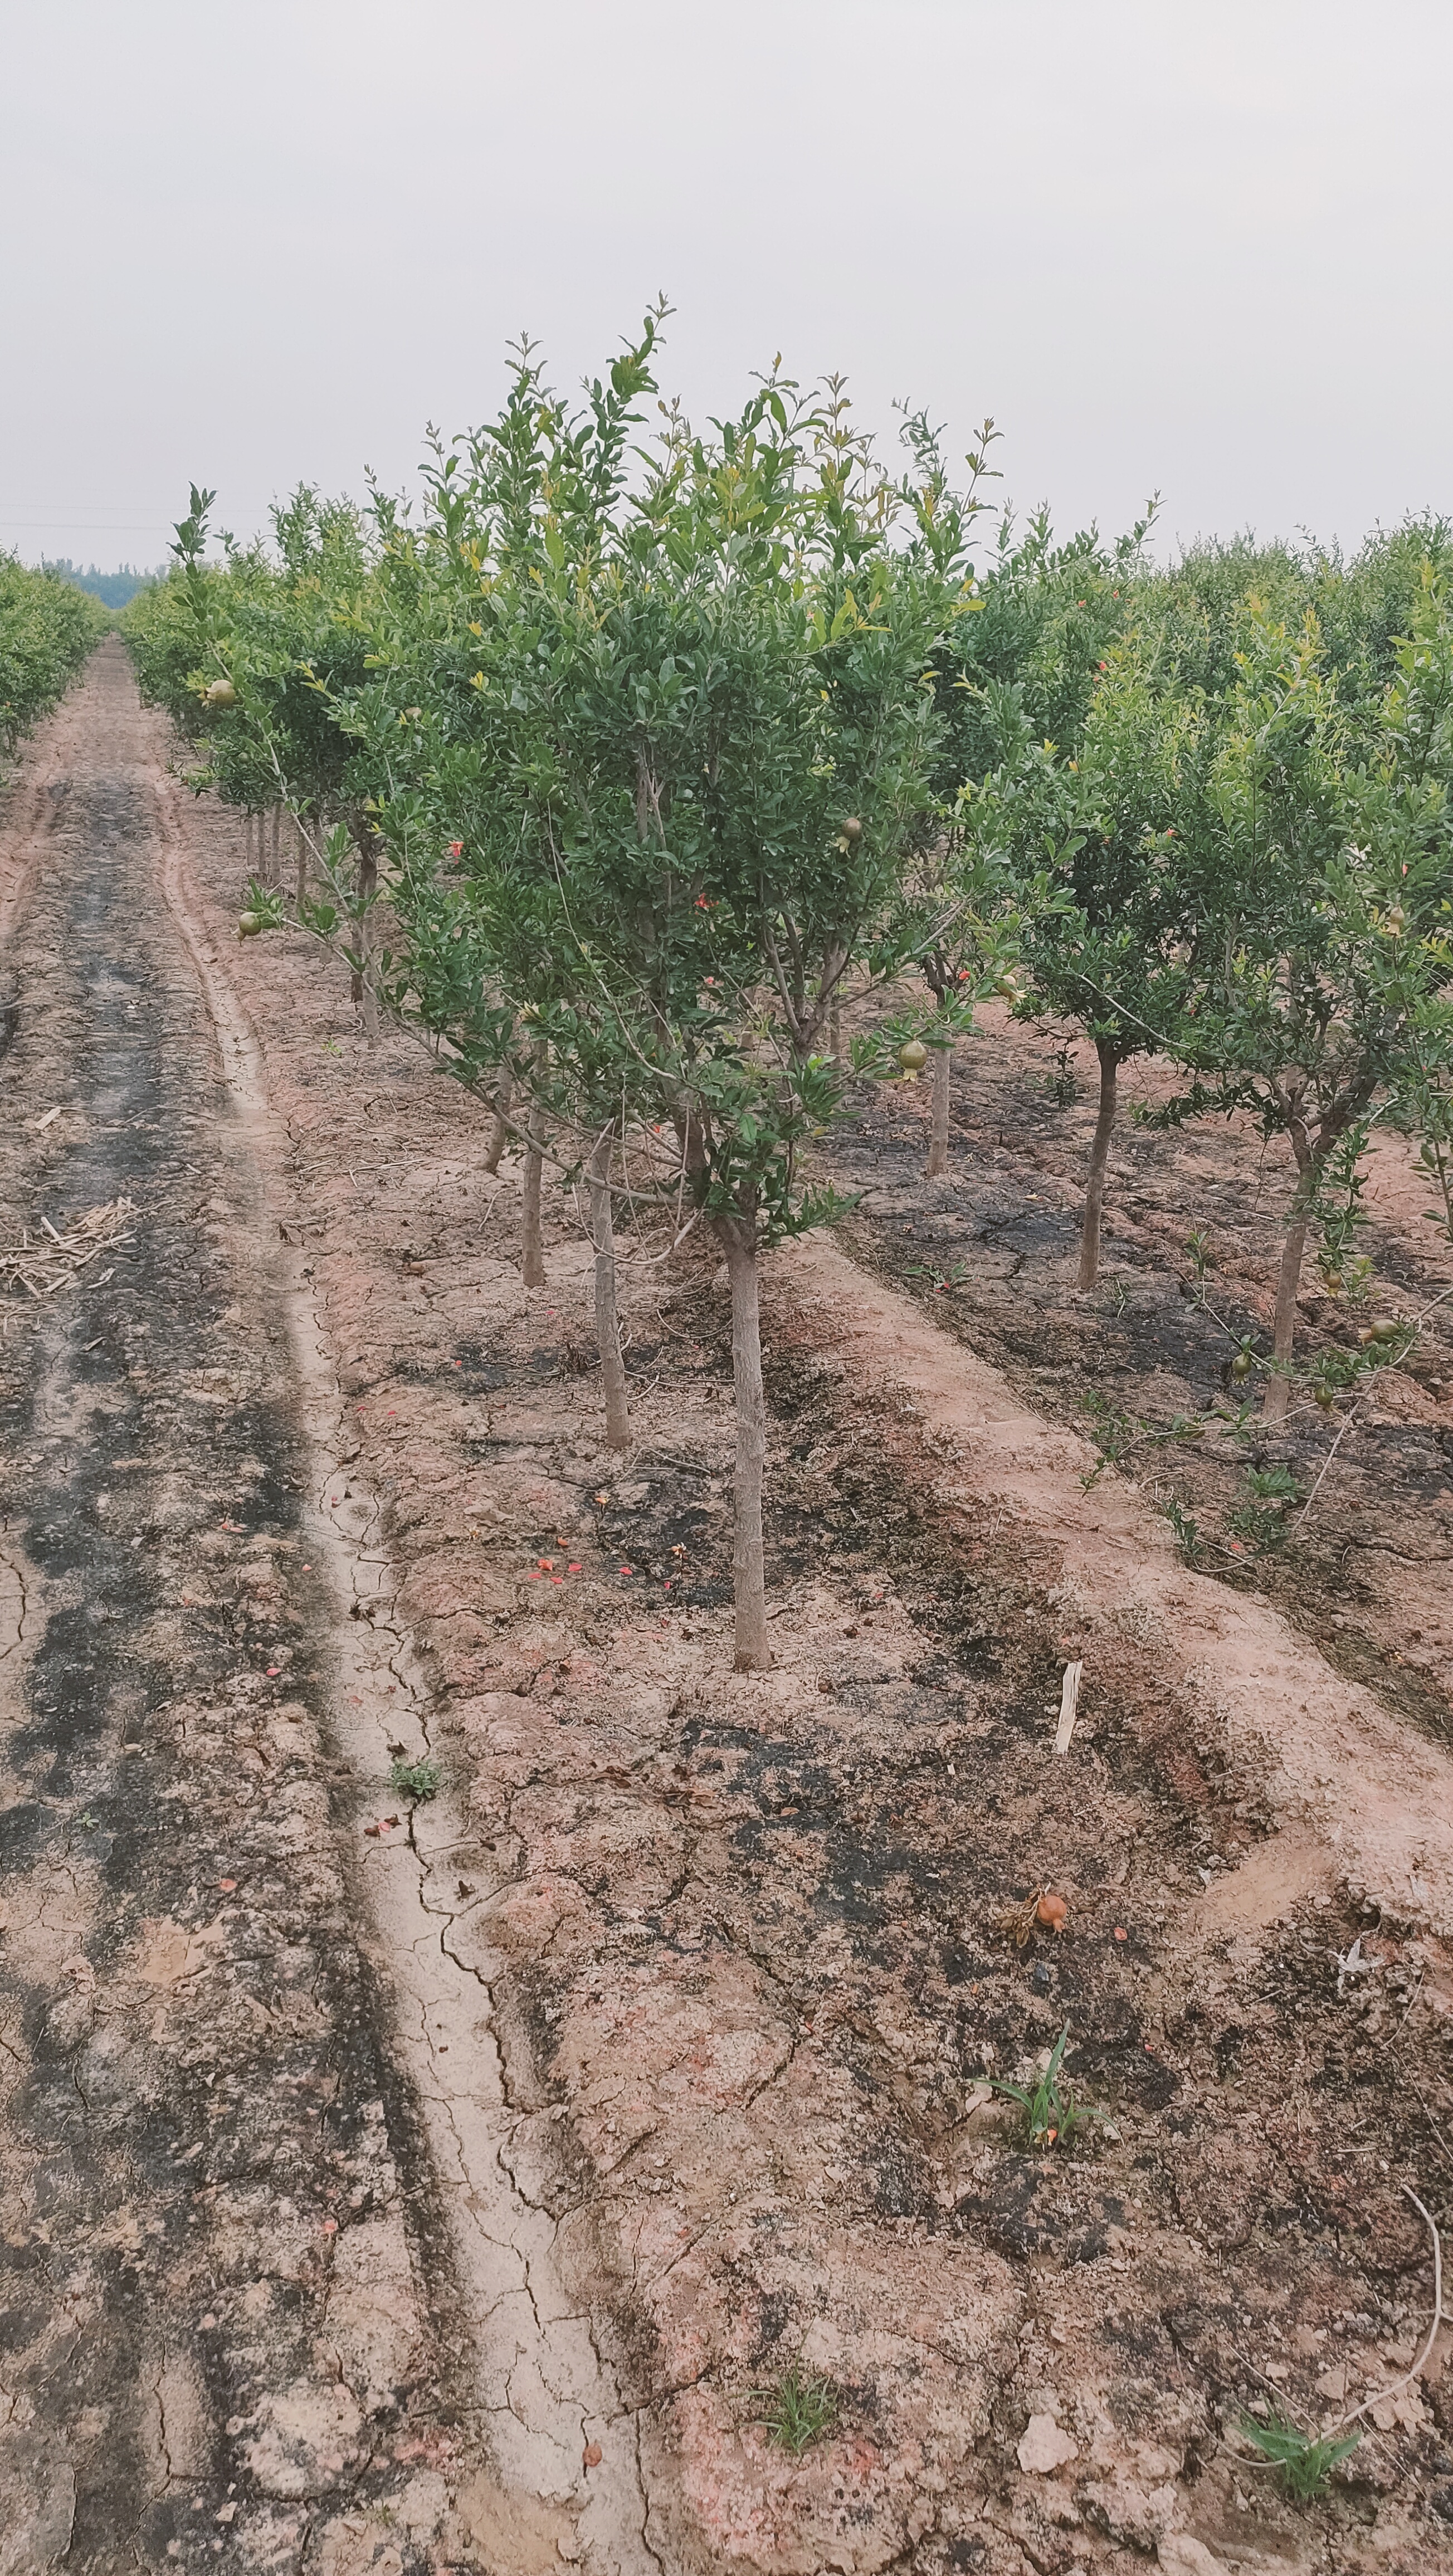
[52, 1261]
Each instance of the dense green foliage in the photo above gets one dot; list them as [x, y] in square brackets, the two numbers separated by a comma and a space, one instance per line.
[647, 748]
[47, 628]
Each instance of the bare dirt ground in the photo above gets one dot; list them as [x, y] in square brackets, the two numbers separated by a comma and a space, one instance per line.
[537, 2132]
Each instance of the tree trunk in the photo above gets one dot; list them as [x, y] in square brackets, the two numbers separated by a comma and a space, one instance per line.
[277, 825]
[835, 1023]
[607, 1322]
[300, 855]
[248, 870]
[737, 1236]
[943, 1063]
[500, 1132]
[364, 939]
[1288, 1283]
[1089, 1270]
[534, 1261]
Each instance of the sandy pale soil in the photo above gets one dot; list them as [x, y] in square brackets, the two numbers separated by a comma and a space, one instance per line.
[462, 2177]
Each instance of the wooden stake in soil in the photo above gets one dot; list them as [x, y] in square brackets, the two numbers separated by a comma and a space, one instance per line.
[1069, 1702]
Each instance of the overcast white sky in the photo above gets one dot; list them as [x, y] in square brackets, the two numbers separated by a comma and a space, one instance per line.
[1204, 248]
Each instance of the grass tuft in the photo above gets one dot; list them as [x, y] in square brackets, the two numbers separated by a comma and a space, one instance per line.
[414, 1779]
[796, 2410]
[1303, 2461]
[1051, 2113]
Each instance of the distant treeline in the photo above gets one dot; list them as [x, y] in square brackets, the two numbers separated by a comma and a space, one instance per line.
[114, 588]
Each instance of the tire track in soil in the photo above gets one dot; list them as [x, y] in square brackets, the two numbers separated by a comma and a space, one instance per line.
[270, 2289]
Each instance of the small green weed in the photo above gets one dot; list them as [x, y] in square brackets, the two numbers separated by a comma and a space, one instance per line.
[1051, 2113]
[414, 1779]
[796, 2410]
[1187, 1531]
[941, 1278]
[1198, 1247]
[1273, 1484]
[1113, 1433]
[1262, 1517]
[1061, 1082]
[1302, 2460]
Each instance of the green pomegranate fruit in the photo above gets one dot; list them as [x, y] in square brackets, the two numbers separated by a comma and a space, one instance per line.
[914, 1056]
[249, 924]
[221, 694]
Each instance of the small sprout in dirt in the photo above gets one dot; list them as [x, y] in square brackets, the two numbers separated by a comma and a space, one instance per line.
[1119, 1295]
[1303, 2462]
[1112, 1433]
[414, 1779]
[1262, 1518]
[1186, 1426]
[1187, 1531]
[796, 2410]
[941, 1279]
[1062, 1083]
[1198, 1249]
[1051, 2113]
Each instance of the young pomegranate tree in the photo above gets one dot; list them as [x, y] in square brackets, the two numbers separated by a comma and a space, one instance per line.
[677, 737]
[1119, 834]
[250, 657]
[958, 922]
[1335, 849]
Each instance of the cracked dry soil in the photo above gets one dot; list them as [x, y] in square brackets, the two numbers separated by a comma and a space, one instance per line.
[648, 2059]
[270, 2300]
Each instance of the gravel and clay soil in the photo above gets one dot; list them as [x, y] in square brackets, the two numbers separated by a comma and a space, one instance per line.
[653, 2049]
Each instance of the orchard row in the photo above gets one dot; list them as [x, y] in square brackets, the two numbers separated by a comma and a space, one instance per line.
[47, 628]
[651, 747]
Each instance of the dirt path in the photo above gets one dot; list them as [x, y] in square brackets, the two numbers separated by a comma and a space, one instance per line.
[273, 2296]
